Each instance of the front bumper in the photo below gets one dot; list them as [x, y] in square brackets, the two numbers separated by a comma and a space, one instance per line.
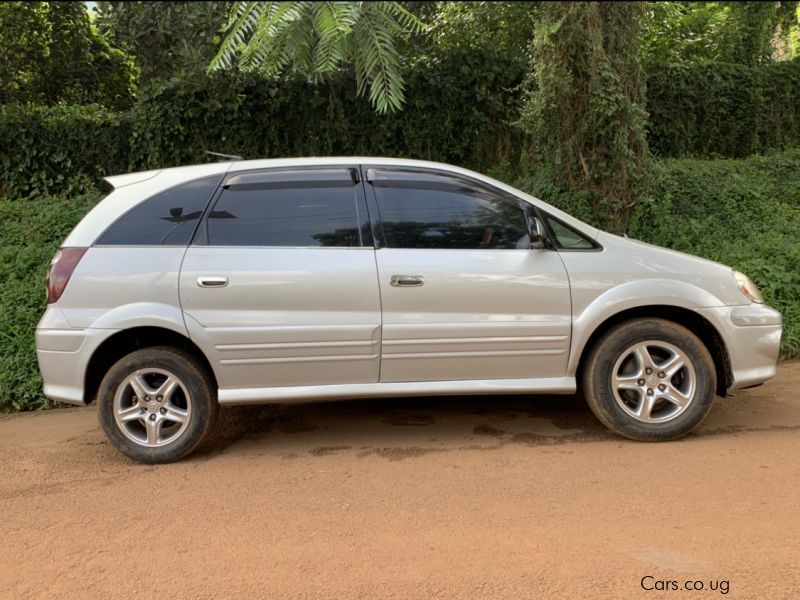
[752, 335]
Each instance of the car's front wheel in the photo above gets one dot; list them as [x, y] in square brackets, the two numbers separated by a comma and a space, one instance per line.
[157, 404]
[649, 380]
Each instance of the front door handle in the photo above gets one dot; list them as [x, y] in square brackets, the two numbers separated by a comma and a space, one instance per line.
[407, 280]
[212, 281]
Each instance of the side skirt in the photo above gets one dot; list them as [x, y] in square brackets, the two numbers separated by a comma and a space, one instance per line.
[310, 393]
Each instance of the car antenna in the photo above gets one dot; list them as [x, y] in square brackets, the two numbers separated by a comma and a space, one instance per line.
[225, 156]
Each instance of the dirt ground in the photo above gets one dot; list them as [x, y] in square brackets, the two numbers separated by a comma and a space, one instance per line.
[468, 497]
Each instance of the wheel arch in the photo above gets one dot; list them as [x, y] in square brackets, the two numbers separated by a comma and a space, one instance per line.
[688, 318]
[124, 342]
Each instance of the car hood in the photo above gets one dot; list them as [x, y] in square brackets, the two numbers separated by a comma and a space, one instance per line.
[680, 258]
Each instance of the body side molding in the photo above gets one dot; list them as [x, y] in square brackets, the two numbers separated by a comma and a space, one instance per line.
[311, 393]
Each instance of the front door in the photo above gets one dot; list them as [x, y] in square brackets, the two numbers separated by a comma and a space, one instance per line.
[280, 285]
[463, 295]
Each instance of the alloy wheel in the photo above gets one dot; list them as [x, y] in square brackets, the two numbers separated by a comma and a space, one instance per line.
[654, 381]
[152, 407]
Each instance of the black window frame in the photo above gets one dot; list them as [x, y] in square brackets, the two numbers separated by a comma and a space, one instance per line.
[220, 177]
[271, 177]
[371, 171]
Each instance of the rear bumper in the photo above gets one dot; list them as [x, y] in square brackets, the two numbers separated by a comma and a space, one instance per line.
[752, 335]
[63, 355]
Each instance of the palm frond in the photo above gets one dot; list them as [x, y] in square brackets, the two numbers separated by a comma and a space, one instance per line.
[316, 38]
[264, 45]
[244, 17]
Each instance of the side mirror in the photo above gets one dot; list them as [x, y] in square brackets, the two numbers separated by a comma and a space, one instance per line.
[538, 239]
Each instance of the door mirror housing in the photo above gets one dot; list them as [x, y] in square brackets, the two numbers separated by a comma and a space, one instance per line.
[539, 239]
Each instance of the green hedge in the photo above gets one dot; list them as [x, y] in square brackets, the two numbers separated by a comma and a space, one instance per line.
[59, 149]
[30, 233]
[723, 110]
[456, 111]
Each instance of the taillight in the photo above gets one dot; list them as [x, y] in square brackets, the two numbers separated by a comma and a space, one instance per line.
[64, 263]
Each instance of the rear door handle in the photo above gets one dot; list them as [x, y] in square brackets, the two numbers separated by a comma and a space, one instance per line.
[212, 281]
[407, 280]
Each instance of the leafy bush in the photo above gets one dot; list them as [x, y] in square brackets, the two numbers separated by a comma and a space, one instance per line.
[30, 233]
[50, 52]
[59, 149]
[725, 110]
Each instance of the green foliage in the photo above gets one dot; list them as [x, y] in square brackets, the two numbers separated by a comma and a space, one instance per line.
[314, 39]
[50, 52]
[743, 213]
[584, 103]
[167, 39]
[60, 148]
[723, 109]
[735, 32]
[692, 32]
[456, 113]
[30, 233]
[748, 38]
[504, 26]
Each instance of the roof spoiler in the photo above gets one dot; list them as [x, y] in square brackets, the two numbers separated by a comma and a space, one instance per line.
[118, 181]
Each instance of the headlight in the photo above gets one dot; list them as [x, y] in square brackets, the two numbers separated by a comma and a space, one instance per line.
[748, 288]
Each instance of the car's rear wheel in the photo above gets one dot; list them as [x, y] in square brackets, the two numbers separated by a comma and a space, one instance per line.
[649, 380]
[157, 404]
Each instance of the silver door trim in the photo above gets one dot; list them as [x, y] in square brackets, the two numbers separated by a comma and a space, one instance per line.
[305, 393]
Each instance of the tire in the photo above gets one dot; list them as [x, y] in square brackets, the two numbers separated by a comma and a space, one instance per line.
[160, 427]
[664, 404]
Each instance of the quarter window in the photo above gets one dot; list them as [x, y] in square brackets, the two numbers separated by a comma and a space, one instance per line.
[432, 211]
[293, 213]
[567, 238]
[167, 219]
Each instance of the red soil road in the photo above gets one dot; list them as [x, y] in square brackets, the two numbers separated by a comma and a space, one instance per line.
[491, 497]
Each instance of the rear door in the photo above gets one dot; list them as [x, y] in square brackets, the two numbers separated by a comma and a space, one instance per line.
[280, 285]
[464, 296]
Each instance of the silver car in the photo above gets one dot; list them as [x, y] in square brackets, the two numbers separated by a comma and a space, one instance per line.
[319, 278]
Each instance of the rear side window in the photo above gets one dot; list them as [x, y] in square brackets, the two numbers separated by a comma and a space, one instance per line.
[167, 219]
[432, 211]
[287, 213]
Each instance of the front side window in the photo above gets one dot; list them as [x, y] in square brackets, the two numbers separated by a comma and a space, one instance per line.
[434, 211]
[292, 213]
[166, 219]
